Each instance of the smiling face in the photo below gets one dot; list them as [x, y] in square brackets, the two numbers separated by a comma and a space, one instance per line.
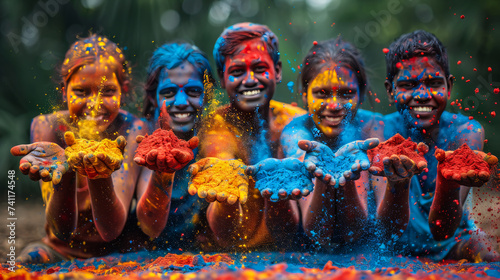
[420, 90]
[250, 76]
[332, 99]
[94, 94]
[180, 96]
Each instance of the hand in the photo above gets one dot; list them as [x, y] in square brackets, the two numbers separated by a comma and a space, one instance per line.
[357, 150]
[221, 180]
[401, 167]
[471, 178]
[42, 161]
[324, 164]
[95, 160]
[166, 161]
[275, 178]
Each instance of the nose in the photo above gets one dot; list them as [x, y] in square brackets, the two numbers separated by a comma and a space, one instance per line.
[333, 104]
[181, 99]
[422, 93]
[93, 101]
[250, 80]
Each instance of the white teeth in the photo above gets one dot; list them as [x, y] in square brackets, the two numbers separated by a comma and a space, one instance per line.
[422, 109]
[333, 119]
[184, 115]
[251, 92]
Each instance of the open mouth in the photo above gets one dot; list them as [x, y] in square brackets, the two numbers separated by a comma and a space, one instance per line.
[332, 120]
[422, 109]
[251, 92]
[182, 117]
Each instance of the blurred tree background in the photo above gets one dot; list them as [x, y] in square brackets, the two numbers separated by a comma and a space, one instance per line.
[36, 34]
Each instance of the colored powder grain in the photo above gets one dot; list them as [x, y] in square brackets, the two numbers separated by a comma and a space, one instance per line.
[463, 160]
[396, 145]
[105, 146]
[283, 178]
[336, 166]
[223, 176]
[164, 141]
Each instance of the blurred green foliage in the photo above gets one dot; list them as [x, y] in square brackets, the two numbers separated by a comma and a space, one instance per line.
[36, 34]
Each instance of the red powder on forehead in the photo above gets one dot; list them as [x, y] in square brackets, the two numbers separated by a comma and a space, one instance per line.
[163, 141]
[463, 160]
[396, 145]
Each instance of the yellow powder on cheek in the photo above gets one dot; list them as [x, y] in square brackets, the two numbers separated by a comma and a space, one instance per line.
[224, 176]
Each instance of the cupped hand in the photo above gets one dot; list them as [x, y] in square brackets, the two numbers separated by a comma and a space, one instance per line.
[401, 167]
[221, 180]
[166, 161]
[281, 179]
[42, 161]
[471, 178]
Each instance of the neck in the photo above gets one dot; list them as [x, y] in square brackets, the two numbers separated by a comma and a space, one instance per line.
[252, 120]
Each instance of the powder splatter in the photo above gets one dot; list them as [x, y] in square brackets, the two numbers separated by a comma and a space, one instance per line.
[336, 166]
[223, 176]
[167, 144]
[396, 145]
[462, 161]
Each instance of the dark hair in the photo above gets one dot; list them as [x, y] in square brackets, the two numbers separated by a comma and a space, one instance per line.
[90, 50]
[232, 37]
[417, 43]
[169, 56]
[333, 51]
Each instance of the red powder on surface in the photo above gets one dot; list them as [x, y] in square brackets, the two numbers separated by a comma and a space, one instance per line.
[164, 141]
[463, 160]
[396, 145]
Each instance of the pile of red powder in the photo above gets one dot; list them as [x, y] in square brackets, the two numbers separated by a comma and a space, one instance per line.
[463, 160]
[396, 145]
[164, 141]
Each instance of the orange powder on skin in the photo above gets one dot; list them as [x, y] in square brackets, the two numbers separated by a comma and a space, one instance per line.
[223, 176]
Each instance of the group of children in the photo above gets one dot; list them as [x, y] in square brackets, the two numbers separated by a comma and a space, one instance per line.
[265, 175]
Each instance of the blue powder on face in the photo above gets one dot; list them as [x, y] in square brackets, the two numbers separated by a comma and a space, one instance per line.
[283, 178]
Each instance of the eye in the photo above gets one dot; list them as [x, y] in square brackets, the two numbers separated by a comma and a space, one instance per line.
[321, 94]
[236, 72]
[108, 91]
[407, 85]
[78, 91]
[260, 69]
[435, 83]
[194, 91]
[168, 92]
[347, 93]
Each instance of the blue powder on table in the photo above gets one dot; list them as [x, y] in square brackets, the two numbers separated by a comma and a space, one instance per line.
[283, 178]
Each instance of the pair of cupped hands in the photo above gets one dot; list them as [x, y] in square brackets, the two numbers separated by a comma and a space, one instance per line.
[47, 161]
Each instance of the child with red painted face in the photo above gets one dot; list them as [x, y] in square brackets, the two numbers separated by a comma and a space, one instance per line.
[419, 83]
[333, 139]
[86, 208]
[177, 89]
[248, 129]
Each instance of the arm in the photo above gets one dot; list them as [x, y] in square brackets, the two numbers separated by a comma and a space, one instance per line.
[447, 207]
[61, 210]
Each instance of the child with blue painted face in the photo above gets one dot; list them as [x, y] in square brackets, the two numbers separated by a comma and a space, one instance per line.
[332, 140]
[419, 83]
[178, 76]
[87, 207]
[244, 132]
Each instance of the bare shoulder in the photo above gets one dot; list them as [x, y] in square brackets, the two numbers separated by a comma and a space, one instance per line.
[460, 129]
[48, 127]
[283, 113]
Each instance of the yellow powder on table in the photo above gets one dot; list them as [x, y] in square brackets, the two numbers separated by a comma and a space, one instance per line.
[223, 176]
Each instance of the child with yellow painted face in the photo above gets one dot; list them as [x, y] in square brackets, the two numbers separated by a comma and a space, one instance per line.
[333, 139]
[244, 132]
[87, 204]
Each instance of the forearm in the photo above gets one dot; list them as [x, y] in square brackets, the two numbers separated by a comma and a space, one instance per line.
[62, 211]
[108, 211]
[446, 210]
[393, 212]
[235, 224]
[154, 205]
[351, 213]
